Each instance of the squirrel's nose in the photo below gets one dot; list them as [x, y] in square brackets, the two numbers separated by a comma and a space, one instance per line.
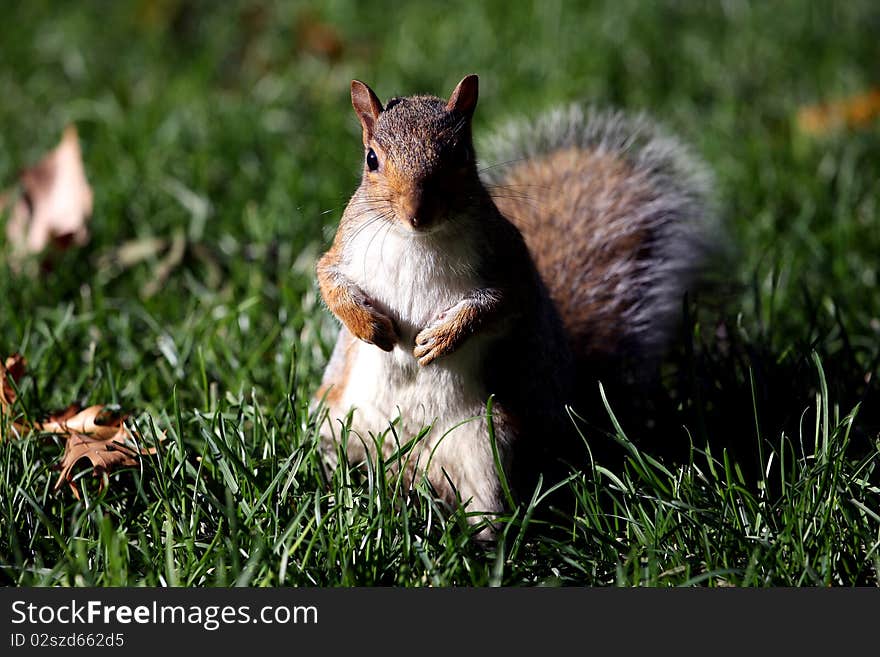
[412, 209]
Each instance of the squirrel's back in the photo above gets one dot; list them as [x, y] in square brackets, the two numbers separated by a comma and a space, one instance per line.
[617, 216]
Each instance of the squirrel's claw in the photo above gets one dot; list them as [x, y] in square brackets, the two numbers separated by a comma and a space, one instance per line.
[442, 336]
[426, 354]
[425, 350]
[433, 342]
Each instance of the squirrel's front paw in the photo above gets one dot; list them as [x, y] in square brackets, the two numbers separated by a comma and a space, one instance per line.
[440, 337]
[433, 342]
[381, 332]
[368, 324]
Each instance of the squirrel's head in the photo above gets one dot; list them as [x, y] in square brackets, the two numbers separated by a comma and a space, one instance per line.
[418, 153]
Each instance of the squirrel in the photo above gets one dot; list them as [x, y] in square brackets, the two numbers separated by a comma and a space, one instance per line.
[454, 285]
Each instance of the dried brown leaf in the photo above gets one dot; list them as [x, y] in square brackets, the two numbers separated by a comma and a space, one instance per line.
[855, 111]
[105, 453]
[97, 433]
[64, 413]
[55, 201]
[97, 421]
[14, 366]
[319, 38]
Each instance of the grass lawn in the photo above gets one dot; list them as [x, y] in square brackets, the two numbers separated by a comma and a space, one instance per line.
[225, 130]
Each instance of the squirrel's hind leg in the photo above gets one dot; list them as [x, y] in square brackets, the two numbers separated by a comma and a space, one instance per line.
[331, 395]
[462, 470]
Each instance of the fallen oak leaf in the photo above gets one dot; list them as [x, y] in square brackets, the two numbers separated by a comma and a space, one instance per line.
[104, 454]
[14, 366]
[99, 421]
[13, 369]
[64, 413]
[854, 111]
[97, 433]
[55, 202]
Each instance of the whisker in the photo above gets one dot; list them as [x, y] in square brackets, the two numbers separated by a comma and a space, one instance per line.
[385, 218]
[382, 244]
[369, 222]
[504, 163]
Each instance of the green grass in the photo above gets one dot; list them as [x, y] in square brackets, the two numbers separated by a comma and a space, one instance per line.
[220, 125]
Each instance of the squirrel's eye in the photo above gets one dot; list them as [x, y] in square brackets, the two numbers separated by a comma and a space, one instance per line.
[372, 160]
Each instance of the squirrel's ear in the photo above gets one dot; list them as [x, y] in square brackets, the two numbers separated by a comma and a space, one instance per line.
[367, 106]
[464, 97]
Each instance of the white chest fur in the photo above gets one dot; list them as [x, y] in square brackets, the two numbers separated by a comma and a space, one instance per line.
[413, 276]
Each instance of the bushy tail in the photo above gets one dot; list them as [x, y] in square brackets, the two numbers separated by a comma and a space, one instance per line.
[618, 217]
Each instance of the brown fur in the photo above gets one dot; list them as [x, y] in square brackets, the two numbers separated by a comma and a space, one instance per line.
[352, 306]
[338, 371]
[580, 195]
